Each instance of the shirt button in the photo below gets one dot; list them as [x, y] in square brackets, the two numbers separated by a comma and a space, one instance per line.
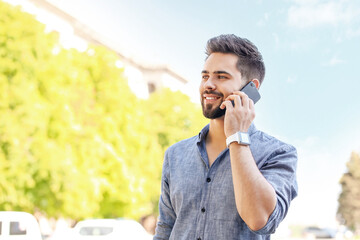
[203, 209]
[208, 179]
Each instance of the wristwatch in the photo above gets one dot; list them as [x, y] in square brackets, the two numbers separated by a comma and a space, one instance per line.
[239, 137]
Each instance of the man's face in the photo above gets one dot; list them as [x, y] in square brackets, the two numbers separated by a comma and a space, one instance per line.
[220, 78]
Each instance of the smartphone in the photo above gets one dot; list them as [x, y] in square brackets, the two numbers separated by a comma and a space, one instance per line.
[252, 92]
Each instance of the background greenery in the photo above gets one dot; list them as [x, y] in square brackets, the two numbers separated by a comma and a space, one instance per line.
[349, 199]
[74, 140]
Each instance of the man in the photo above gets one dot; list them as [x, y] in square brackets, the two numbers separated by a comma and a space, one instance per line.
[218, 188]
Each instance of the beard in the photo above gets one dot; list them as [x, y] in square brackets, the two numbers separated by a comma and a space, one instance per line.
[210, 111]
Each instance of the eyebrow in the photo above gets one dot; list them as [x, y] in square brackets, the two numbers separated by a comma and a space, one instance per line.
[222, 72]
[216, 72]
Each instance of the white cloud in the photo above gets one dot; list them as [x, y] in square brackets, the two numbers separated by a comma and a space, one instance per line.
[291, 79]
[352, 33]
[276, 40]
[334, 61]
[312, 13]
[263, 20]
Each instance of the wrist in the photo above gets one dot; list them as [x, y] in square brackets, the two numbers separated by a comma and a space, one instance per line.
[239, 137]
[237, 145]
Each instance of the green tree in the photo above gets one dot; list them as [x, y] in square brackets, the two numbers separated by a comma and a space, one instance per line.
[349, 199]
[173, 116]
[74, 140]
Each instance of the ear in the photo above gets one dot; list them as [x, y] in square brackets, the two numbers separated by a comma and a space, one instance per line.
[256, 82]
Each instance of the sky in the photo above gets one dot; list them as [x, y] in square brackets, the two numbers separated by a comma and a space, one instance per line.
[311, 50]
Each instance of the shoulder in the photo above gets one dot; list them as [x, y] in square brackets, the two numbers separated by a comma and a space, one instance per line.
[266, 149]
[182, 146]
[265, 141]
[179, 153]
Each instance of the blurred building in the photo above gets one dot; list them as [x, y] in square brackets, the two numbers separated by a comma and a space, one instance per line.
[143, 78]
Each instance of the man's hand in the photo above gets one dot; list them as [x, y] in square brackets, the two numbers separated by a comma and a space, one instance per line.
[240, 116]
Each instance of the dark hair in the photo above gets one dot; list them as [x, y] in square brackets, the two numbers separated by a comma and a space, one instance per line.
[250, 63]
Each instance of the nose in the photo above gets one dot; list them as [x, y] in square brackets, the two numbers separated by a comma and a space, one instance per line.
[210, 84]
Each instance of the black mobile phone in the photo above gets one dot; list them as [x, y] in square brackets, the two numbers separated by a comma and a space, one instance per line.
[252, 92]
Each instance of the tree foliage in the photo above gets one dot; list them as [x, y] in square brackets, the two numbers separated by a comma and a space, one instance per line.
[74, 140]
[349, 199]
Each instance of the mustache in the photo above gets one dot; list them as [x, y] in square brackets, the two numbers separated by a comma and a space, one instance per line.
[213, 92]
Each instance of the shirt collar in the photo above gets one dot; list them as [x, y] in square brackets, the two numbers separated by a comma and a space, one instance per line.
[203, 133]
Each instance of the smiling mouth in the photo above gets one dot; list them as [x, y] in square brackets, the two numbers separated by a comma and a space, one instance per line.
[210, 99]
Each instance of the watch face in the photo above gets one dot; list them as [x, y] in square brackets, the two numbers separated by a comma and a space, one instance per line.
[244, 138]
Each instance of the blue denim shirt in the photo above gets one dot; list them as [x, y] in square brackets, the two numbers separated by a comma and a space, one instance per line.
[198, 201]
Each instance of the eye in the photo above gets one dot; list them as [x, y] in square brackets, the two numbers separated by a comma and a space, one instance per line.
[222, 77]
[205, 77]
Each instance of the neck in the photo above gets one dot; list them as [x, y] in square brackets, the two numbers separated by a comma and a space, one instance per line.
[216, 133]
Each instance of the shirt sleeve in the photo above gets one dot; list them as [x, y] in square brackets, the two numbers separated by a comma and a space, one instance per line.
[167, 214]
[280, 171]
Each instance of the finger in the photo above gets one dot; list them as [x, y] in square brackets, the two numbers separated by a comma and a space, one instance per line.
[237, 100]
[232, 99]
[226, 104]
[251, 104]
[244, 99]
